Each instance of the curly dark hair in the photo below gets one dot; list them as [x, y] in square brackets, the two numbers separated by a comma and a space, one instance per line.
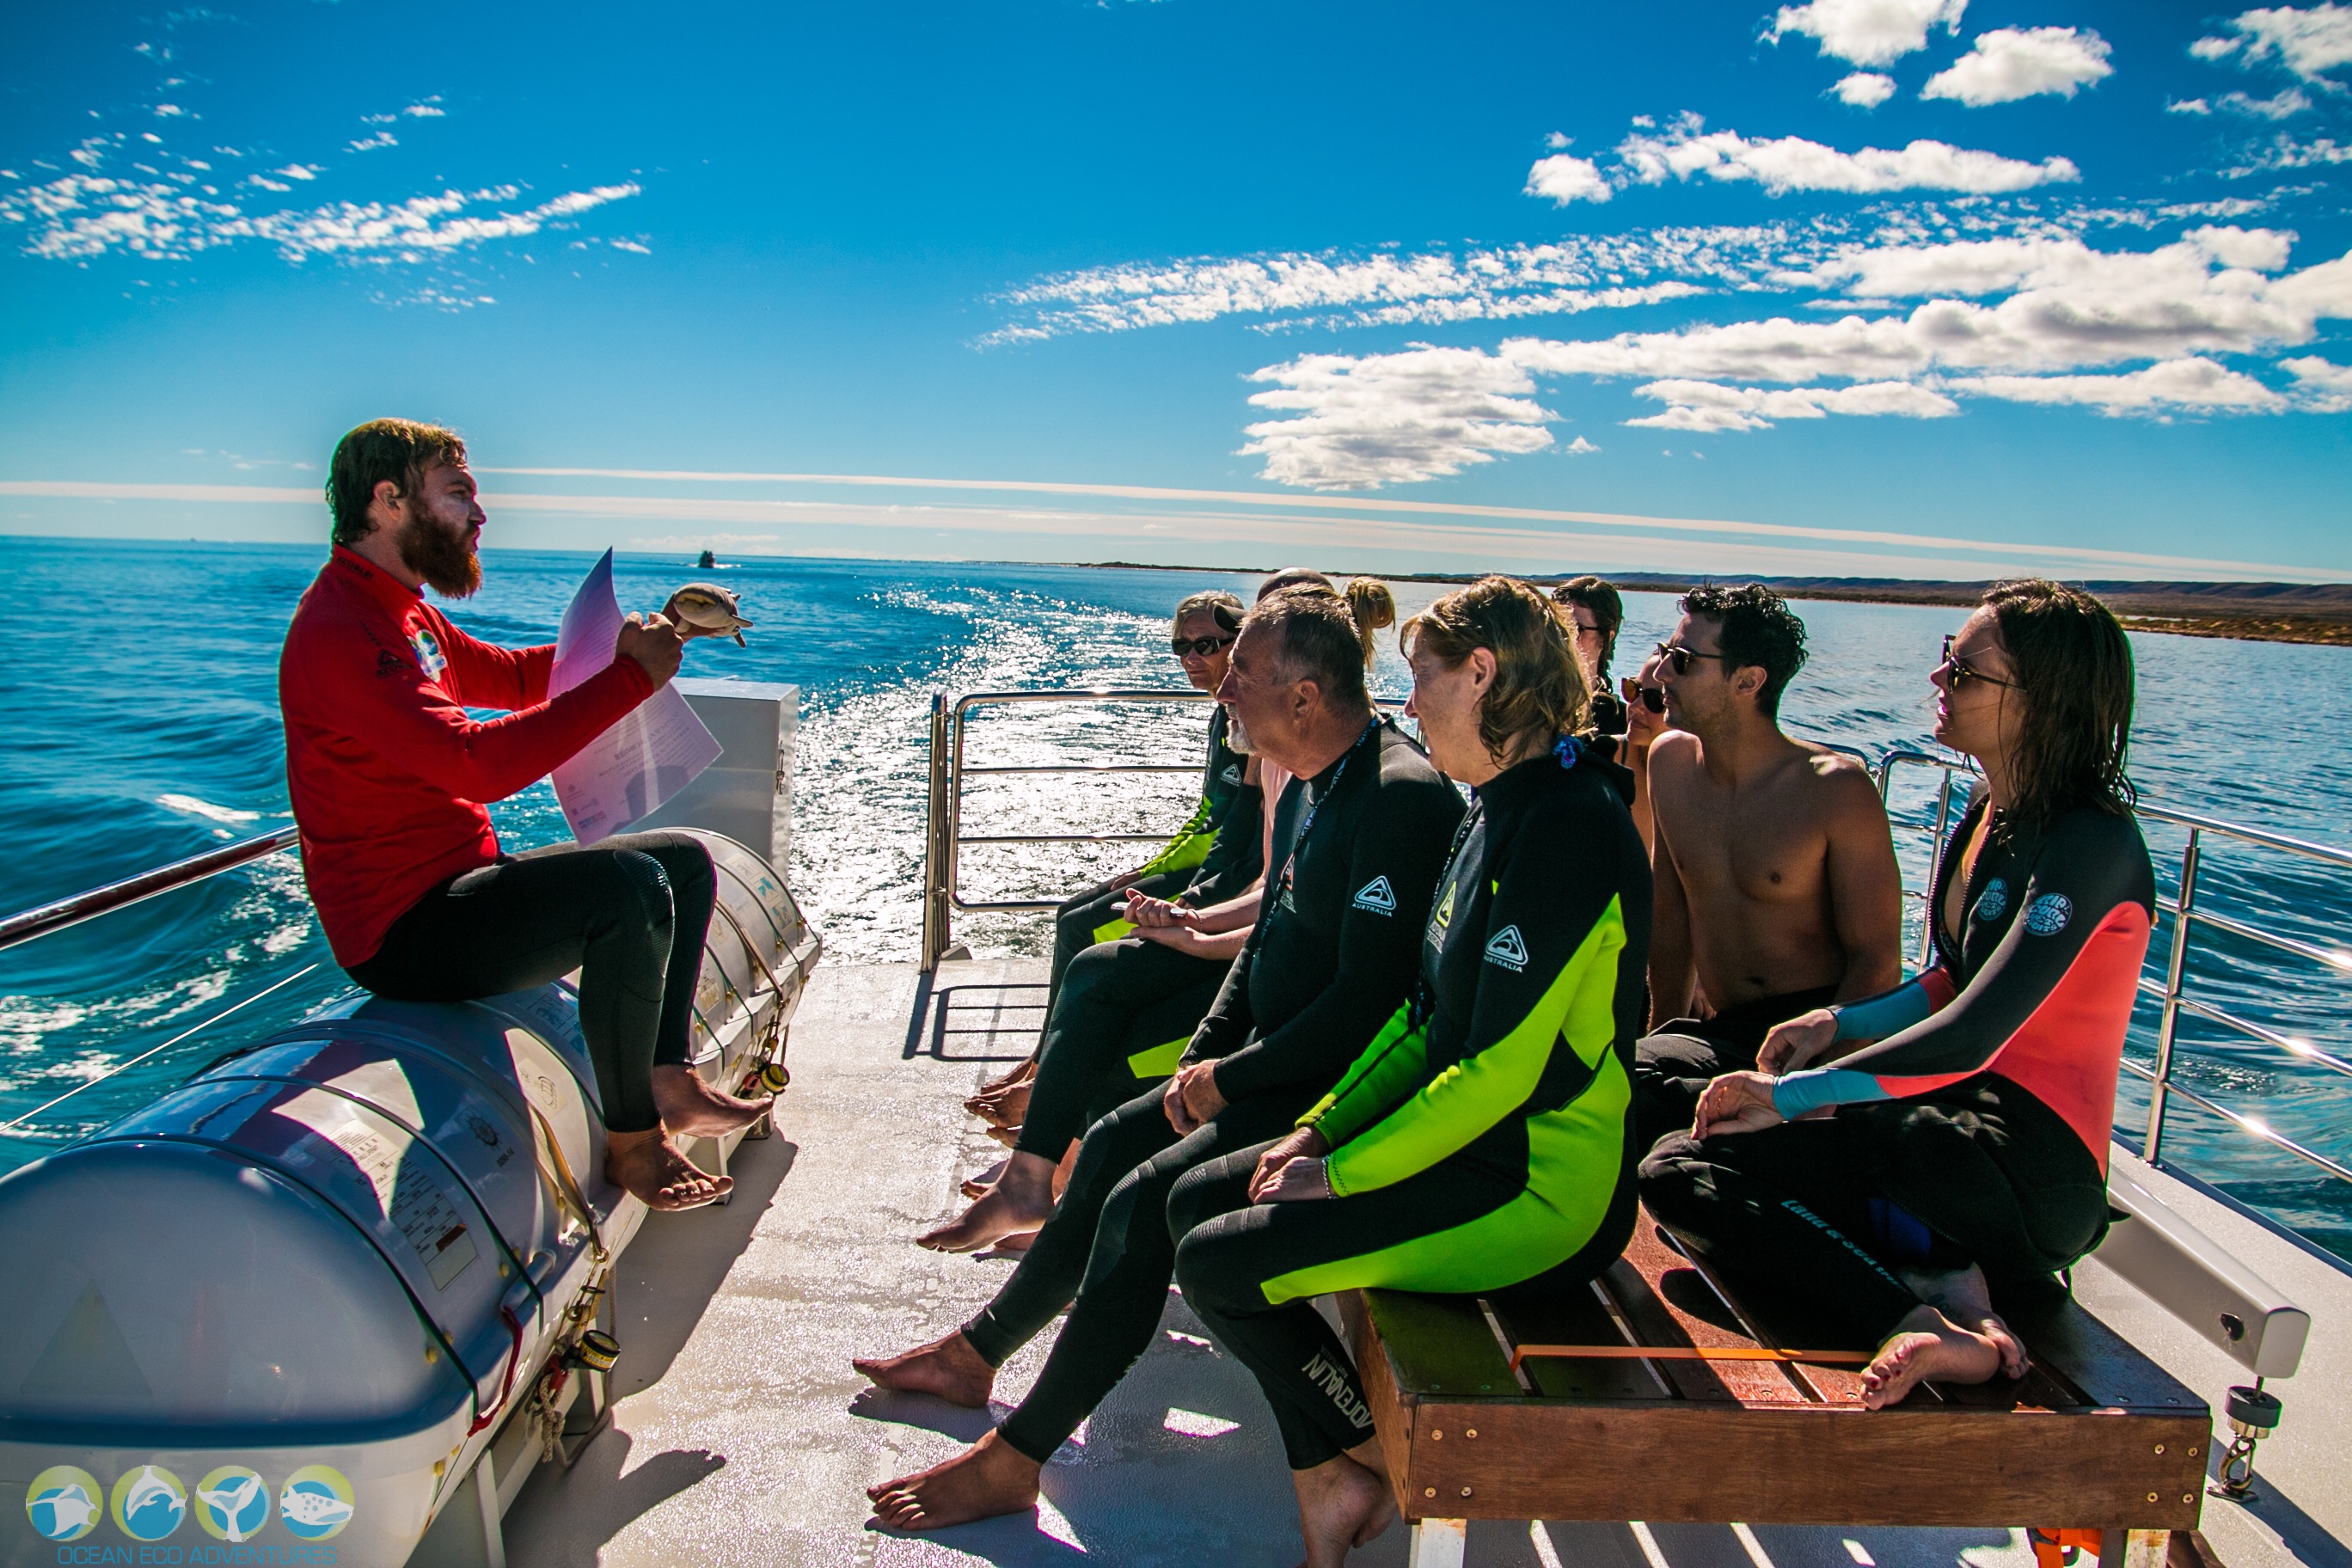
[395, 449]
[1759, 629]
[2073, 667]
[1538, 684]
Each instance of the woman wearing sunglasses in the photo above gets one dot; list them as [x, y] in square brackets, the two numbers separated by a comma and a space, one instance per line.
[1904, 1164]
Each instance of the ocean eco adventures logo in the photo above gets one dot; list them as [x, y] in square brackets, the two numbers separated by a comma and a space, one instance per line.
[316, 1503]
[233, 1503]
[149, 1502]
[64, 1502]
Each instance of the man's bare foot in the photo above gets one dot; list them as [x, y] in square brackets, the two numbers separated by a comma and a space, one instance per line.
[1965, 1298]
[1926, 1344]
[1002, 1107]
[989, 1477]
[1342, 1505]
[949, 1368]
[692, 1108]
[1022, 1200]
[1008, 1136]
[644, 1164]
[1022, 1072]
[977, 1187]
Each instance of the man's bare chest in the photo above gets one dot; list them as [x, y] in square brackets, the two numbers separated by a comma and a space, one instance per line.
[1760, 846]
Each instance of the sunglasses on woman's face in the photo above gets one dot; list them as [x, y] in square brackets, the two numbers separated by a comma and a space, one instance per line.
[1963, 671]
[1197, 647]
[1678, 658]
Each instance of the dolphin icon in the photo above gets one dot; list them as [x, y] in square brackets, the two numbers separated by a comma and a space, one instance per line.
[229, 1502]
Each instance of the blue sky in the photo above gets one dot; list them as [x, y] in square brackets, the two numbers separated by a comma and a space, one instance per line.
[1943, 287]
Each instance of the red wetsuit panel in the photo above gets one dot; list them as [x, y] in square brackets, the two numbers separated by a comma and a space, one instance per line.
[386, 769]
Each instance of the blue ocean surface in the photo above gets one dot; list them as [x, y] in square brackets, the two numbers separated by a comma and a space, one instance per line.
[139, 724]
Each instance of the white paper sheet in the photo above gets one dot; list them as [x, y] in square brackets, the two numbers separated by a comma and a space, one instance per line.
[649, 755]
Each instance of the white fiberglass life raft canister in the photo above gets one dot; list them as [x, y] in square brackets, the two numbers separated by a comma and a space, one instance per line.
[290, 1305]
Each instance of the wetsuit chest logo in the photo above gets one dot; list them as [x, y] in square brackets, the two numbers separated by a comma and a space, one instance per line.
[2049, 914]
[1233, 774]
[1377, 896]
[1993, 902]
[1442, 918]
[1508, 948]
[429, 657]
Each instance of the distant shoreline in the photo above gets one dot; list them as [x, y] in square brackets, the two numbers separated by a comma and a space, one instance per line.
[2246, 612]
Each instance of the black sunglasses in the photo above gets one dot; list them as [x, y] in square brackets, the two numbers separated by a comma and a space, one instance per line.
[1963, 672]
[1200, 647]
[1678, 658]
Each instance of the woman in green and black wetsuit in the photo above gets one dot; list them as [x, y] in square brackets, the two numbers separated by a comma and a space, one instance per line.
[1482, 1138]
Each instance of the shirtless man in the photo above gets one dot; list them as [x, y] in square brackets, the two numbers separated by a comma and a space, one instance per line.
[1776, 883]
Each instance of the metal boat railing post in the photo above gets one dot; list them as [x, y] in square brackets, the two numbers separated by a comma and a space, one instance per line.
[1935, 869]
[961, 723]
[2175, 965]
[935, 901]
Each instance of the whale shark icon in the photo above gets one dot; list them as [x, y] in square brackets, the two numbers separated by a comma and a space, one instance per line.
[315, 1508]
[229, 1502]
[71, 1512]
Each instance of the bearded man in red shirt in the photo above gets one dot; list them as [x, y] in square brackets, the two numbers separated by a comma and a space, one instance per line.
[387, 771]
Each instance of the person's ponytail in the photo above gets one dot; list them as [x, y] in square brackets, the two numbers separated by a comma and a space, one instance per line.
[1373, 608]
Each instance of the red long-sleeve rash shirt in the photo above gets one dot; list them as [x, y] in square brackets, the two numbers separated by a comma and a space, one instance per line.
[384, 767]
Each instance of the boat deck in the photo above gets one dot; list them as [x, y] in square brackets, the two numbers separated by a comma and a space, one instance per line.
[742, 1435]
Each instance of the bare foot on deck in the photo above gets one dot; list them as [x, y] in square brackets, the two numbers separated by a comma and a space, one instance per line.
[1342, 1505]
[977, 1187]
[692, 1108]
[1002, 1107]
[1022, 1072]
[1926, 1344]
[989, 1477]
[1965, 1298]
[644, 1164]
[1022, 1200]
[949, 1368]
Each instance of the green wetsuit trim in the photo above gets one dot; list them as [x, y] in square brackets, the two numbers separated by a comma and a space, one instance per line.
[1160, 1061]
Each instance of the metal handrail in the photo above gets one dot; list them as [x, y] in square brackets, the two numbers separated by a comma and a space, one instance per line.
[26, 924]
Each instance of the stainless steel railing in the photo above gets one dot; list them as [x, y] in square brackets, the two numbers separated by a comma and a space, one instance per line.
[945, 837]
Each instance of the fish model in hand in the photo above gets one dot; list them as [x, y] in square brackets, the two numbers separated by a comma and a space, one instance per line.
[706, 610]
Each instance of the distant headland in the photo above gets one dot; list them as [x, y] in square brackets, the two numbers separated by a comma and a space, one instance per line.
[2253, 612]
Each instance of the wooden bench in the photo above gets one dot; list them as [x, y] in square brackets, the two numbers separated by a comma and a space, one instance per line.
[1477, 1423]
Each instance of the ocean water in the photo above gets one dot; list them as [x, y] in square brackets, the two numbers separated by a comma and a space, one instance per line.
[139, 724]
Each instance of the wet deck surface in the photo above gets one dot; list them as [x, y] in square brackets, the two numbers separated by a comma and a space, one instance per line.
[744, 1437]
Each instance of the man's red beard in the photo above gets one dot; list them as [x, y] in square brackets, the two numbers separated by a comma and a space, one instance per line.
[445, 559]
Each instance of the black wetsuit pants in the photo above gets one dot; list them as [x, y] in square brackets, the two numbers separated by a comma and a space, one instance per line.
[1250, 1272]
[1674, 1064]
[1125, 1011]
[1107, 1255]
[1080, 917]
[628, 913]
[1809, 1221]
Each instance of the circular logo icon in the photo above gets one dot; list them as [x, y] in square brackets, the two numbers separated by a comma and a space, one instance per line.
[2048, 915]
[316, 1503]
[65, 1502]
[149, 1502]
[232, 1504]
[1993, 902]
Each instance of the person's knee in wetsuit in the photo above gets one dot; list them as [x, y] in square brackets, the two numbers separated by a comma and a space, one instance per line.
[630, 913]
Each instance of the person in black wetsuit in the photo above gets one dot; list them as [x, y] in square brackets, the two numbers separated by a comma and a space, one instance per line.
[1900, 1191]
[1482, 1139]
[1369, 822]
[1594, 612]
[1212, 857]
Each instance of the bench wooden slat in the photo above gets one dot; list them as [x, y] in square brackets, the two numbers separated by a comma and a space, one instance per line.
[1575, 1317]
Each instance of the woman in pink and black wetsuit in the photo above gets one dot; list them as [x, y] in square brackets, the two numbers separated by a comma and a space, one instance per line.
[1951, 1150]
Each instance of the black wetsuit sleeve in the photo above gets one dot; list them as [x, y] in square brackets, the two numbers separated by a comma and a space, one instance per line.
[2073, 950]
[1403, 835]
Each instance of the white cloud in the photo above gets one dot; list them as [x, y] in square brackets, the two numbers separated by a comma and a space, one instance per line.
[1706, 405]
[86, 215]
[1865, 89]
[2188, 106]
[2197, 385]
[2011, 63]
[1868, 32]
[2286, 153]
[423, 111]
[1565, 178]
[1794, 163]
[169, 111]
[298, 171]
[2307, 41]
[2325, 386]
[1393, 418]
[1579, 447]
[370, 143]
[2284, 104]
